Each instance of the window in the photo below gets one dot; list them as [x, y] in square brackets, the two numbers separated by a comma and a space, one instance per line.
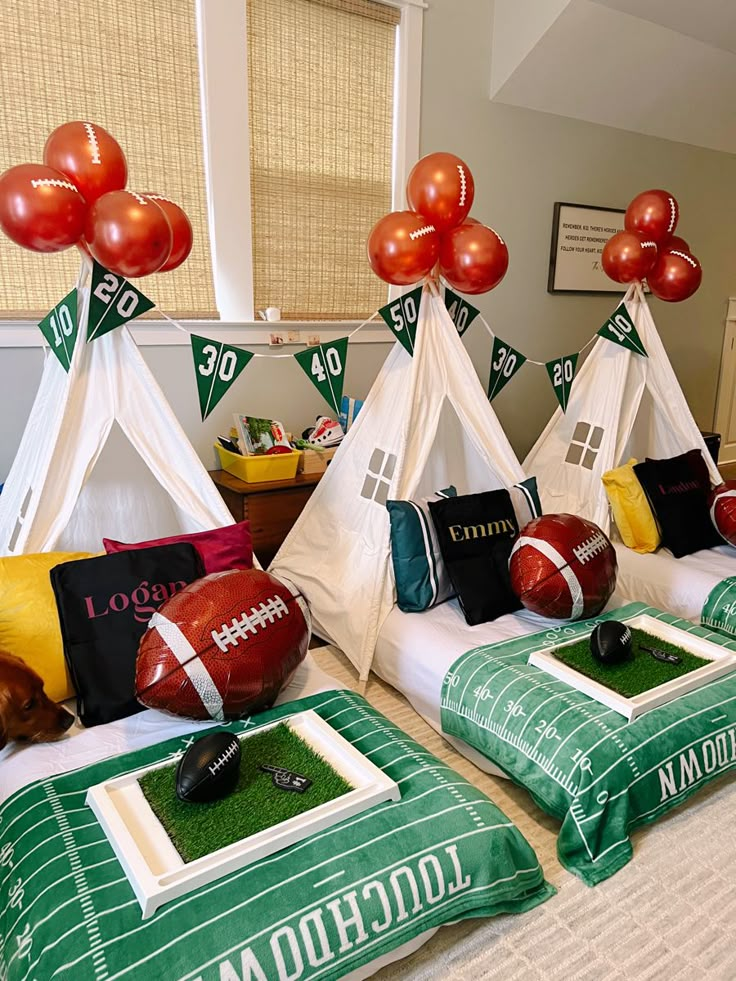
[321, 95]
[584, 445]
[131, 67]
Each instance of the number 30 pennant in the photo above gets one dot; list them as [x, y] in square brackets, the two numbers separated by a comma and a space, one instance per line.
[505, 362]
[216, 366]
[325, 367]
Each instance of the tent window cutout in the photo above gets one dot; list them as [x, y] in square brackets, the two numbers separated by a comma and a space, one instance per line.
[377, 483]
[584, 445]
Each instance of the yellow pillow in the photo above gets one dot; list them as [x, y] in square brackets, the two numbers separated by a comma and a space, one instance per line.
[631, 511]
[29, 622]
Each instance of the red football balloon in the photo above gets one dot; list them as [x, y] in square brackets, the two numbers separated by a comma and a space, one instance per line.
[128, 233]
[563, 567]
[653, 214]
[402, 248]
[627, 257]
[223, 647]
[89, 157]
[181, 232]
[722, 504]
[675, 276]
[40, 209]
[441, 187]
[473, 258]
[674, 244]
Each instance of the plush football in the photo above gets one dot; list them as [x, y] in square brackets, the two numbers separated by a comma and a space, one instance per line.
[610, 642]
[563, 567]
[209, 769]
[722, 503]
[223, 647]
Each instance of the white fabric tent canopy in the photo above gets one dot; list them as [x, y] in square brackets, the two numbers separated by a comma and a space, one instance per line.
[621, 405]
[426, 423]
[151, 485]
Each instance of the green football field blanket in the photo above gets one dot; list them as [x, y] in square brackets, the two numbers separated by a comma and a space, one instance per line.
[583, 763]
[319, 909]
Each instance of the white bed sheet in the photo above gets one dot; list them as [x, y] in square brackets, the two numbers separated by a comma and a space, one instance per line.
[679, 586]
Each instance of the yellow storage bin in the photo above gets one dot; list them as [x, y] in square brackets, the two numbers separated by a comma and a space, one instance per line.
[256, 469]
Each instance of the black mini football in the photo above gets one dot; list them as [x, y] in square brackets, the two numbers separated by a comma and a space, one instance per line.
[209, 769]
[610, 642]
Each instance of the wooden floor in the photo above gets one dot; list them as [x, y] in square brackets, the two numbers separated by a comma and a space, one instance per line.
[728, 471]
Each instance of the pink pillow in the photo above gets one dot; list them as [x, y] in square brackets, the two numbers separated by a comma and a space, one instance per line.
[221, 549]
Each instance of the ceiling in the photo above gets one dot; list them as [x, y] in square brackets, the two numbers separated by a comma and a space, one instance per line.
[665, 68]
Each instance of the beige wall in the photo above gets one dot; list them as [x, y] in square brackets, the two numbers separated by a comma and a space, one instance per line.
[523, 162]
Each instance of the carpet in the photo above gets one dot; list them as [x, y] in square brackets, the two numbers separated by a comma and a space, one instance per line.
[670, 914]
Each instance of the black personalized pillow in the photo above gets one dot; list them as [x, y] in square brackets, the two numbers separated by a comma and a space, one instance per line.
[678, 490]
[104, 606]
[476, 533]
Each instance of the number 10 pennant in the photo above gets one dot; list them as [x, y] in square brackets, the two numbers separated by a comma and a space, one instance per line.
[216, 366]
[620, 329]
[325, 367]
[59, 327]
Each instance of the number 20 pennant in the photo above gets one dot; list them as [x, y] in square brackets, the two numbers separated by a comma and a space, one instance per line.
[324, 365]
[216, 366]
[561, 373]
[113, 301]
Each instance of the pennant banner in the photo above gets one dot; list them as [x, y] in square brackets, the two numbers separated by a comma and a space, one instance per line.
[505, 362]
[216, 366]
[461, 312]
[621, 330]
[325, 366]
[60, 328]
[562, 374]
[113, 301]
[401, 317]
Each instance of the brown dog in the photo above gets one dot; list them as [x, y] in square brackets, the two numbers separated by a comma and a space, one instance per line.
[26, 711]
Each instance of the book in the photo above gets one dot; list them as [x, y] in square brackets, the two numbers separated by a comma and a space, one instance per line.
[257, 436]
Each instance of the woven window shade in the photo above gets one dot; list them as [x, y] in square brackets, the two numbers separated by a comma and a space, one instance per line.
[132, 68]
[321, 76]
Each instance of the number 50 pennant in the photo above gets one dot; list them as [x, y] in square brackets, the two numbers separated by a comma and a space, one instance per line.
[325, 367]
[216, 366]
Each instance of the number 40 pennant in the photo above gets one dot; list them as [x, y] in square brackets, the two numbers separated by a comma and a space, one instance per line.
[216, 366]
[324, 365]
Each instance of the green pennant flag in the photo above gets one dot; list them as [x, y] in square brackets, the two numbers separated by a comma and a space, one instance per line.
[461, 312]
[561, 372]
[620, 329]
[216, 366]
[60, 328]
[324, 365]
[505, 362]
[401, 317]
[113, 301]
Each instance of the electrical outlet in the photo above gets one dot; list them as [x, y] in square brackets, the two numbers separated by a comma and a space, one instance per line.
[313, 340]
[294, 337]
[276, 340]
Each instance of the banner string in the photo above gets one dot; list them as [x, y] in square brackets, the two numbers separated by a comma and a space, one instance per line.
[541, 364]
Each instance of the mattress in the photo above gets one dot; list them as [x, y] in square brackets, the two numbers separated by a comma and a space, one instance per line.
[678, 586]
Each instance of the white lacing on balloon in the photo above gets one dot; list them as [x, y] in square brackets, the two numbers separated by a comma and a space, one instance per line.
[159, 197]
[259, 617]
[224, 758]
[92, 138]
[673, 214]
[139, 197]
[53, 182]
[590, 547]
[426, 230]
[649, 244]
[686, 257]
[463, 184]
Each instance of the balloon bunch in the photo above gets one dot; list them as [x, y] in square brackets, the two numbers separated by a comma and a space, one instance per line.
[77, 197]
[405, 246]
[648, 248]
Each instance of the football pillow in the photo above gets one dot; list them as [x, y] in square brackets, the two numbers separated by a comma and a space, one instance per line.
[722, 505]
[563, 567]
[223, 647]
[209, 769]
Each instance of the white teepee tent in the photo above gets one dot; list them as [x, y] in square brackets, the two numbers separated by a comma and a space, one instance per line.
[152, 486]
[426, 423]
[621, 405]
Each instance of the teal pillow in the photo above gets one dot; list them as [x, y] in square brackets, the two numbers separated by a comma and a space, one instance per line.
[525, 498]
[420, 574]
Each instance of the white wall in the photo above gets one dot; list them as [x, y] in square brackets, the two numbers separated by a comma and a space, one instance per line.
[523, 162]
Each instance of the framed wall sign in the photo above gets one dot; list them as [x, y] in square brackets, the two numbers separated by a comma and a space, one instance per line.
[579, 232]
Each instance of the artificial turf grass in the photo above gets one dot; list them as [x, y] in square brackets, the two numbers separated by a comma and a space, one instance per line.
[640, 673]
[255, 804]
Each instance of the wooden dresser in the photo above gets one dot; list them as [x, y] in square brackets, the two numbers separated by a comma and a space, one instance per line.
[272, 507]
